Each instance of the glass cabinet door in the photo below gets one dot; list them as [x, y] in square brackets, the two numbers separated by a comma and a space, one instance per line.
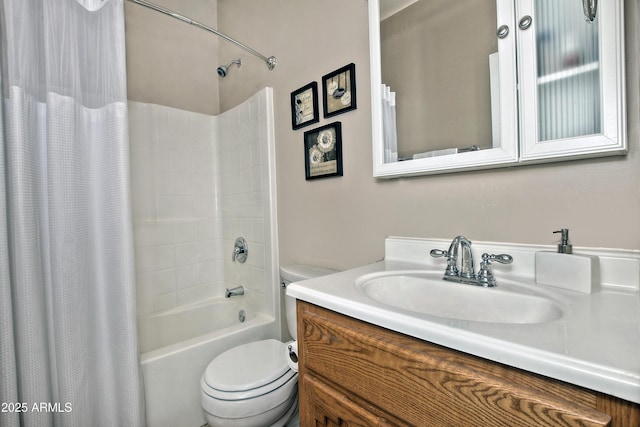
[571, 81]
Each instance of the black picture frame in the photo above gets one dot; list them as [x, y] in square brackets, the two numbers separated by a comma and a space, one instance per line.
[304, 106]
[323, 151]
[339, 91]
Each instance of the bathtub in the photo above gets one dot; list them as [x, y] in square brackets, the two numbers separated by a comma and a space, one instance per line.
[175, 356]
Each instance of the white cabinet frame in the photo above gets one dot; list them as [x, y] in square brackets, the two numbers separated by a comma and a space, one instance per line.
[518, 100]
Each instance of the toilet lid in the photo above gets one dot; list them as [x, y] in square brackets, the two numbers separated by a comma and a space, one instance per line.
[247, 366]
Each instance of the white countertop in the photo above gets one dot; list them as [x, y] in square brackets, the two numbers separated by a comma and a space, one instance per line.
[596, 344]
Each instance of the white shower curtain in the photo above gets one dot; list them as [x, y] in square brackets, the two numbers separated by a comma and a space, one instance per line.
[68, 344]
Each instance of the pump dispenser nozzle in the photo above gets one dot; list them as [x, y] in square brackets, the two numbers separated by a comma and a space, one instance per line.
[564, 247]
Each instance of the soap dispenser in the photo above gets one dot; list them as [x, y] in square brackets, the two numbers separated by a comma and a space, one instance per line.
[564, 269]
[564, 247]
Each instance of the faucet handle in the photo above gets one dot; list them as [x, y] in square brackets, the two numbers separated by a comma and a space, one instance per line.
[485, 275]
[502, 258]
[452, 269]
[438, 253]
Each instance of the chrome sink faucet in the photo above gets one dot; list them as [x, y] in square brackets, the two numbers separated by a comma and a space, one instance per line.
[465, 273]
[466, 260]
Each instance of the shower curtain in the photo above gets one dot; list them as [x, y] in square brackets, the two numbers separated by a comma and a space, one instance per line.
[68, 344]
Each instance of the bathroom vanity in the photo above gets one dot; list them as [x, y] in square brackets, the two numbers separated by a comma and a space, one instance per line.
[355, 373]
[369, 358]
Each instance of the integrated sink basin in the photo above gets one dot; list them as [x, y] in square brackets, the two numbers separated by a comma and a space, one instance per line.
[425, 292]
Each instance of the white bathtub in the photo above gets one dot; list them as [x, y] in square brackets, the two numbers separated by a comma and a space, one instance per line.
[175, 356]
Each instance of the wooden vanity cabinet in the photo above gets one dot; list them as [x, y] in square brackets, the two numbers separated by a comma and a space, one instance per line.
[356, 374]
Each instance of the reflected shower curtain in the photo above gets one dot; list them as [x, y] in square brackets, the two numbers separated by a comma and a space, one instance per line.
[68, 344]
[389, 129]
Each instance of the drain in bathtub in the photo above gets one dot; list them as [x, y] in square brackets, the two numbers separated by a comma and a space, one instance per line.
[242, 316]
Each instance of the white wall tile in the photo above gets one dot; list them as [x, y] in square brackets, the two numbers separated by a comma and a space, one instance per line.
[186, 276]
[183, 232]
[202, 161]
[204, 250]
[163, 281]
[204, 207]
[144, 260]
[206, 272]
[186, 253]
[144, 208]
[178, 122]
[257, 230]
[195, 293]
[162, 257]
[152, 234]
[182, 160]
[144, 295]
[162, 159]
[202, 185]
[175, 207]
[258, 260]
[191, 201]
[164, 301]
[206, 229]
[175, 184]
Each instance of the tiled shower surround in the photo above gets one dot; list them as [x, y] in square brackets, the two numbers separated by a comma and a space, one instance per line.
[198, 182]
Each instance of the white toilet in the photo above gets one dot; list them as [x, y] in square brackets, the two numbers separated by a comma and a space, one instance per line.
[252, 385]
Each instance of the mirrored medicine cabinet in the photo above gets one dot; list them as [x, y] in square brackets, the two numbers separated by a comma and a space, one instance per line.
[476, 84]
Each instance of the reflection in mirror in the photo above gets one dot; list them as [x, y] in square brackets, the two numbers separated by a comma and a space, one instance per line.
[437, 56]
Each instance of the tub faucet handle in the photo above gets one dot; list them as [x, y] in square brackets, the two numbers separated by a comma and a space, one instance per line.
[240, 250]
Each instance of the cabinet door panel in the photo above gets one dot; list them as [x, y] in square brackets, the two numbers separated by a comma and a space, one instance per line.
[571, 80]
[324, 406]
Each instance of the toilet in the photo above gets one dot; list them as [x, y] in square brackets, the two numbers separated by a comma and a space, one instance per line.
[252, 385]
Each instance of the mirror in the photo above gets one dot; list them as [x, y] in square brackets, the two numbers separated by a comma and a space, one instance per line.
[447, 75]
[448, 97]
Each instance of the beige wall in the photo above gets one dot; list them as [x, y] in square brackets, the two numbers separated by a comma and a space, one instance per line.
[342, 222]
[170, 62]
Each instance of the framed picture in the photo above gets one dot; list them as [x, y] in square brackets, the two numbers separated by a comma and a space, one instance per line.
[339, 91]
[323, 151]
[304, 106]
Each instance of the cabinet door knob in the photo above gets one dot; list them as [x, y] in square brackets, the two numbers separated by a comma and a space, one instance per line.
[503, 31]
[525, 22]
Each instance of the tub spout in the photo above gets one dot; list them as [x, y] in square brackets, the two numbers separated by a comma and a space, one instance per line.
[238, 290]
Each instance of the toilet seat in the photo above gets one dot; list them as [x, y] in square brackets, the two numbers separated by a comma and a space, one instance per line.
[256, 371]
[248, 370]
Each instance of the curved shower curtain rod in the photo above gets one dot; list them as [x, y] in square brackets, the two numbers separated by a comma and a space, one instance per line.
[270, 61]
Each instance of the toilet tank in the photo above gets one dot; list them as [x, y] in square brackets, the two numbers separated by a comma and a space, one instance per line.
[296, 273]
